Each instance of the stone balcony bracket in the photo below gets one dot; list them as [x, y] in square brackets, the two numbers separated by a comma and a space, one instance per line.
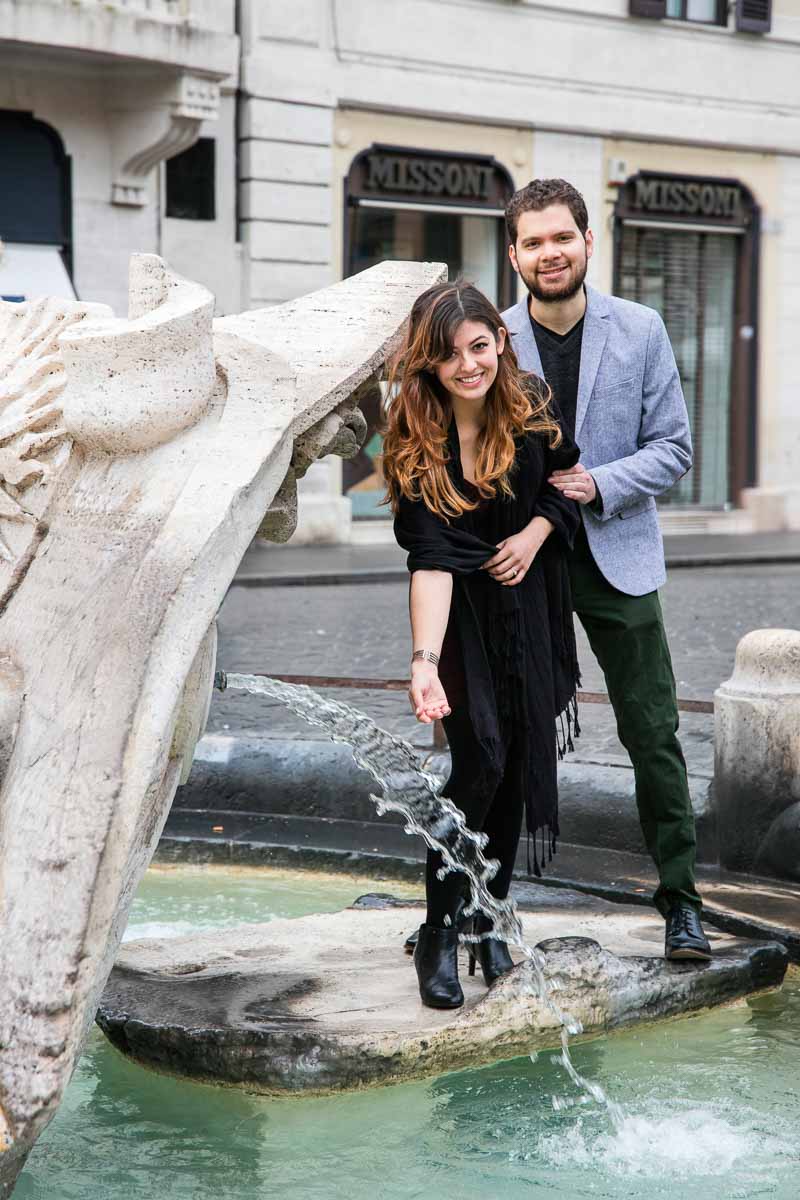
[156, 128]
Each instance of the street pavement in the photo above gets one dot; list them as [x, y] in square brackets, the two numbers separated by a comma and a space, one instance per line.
[361, 629]
[266, 565]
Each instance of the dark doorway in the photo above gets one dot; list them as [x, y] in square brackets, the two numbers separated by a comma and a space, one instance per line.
[35, 185]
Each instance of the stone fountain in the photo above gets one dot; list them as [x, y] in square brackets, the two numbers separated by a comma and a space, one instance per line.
[138, 458]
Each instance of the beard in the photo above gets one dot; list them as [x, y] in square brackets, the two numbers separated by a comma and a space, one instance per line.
[569, 288]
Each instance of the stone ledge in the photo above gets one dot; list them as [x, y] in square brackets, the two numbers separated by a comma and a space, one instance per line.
[315, 778]
[329, 1002]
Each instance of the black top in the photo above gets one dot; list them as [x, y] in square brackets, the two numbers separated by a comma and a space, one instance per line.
[514, 647]
[561, 366]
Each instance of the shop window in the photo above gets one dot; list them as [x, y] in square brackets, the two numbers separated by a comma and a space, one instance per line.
[704, 12]
[472, 246]
[191, 182]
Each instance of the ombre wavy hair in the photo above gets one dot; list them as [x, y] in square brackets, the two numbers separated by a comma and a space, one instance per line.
[415, 449]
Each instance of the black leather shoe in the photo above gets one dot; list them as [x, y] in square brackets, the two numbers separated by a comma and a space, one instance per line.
[685, 938]
[460, 922]
[491, 953]
[436, 960]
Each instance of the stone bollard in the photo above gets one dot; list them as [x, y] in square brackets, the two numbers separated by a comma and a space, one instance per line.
[757, 756]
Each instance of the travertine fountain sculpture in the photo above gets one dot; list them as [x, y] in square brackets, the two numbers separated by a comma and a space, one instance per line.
[138, 458]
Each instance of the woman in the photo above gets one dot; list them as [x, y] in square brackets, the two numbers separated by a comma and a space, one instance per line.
[468, 450]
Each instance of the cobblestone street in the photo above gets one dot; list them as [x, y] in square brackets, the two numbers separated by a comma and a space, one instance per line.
[362, 630]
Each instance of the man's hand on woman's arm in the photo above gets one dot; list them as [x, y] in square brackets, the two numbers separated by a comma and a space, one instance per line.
[429, 608]
[576, 484]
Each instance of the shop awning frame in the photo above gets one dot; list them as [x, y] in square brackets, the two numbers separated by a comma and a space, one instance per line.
[456, 210]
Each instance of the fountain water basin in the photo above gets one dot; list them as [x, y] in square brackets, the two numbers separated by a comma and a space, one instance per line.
[710, 1101]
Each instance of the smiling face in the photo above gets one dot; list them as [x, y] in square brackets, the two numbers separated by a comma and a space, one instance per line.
[551, 254]
[471, 368]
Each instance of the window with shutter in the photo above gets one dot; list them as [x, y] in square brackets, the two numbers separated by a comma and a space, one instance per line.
[754, 16]
[656, 9]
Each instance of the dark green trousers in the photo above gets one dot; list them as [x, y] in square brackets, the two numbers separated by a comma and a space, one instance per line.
[628, 639]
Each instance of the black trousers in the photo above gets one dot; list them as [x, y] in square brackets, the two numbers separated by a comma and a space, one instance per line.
[498, 813]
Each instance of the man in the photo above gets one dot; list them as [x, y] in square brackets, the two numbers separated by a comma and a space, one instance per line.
[613, 374]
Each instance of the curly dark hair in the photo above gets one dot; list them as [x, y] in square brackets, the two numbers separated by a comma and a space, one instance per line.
[541, 193]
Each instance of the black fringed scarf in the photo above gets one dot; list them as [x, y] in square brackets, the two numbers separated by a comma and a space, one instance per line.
[517, 643]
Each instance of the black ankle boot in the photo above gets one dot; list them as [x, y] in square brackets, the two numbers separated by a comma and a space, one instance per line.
[491, 953]
[460, 922]
[436, 960]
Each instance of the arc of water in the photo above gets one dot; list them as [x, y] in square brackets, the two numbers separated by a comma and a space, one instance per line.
[413, 793]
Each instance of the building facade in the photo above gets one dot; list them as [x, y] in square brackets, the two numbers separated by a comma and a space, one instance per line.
[268, 149]
[112, 112]
[397, 130]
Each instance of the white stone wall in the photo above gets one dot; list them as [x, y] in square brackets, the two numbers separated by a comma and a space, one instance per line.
[776, 501]
[286, 201]
[582, 161]
[285, 152]
[578, 67]
[287, 213]
[781, 439]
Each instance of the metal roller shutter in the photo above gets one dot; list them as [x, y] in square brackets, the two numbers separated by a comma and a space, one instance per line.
[689, 277]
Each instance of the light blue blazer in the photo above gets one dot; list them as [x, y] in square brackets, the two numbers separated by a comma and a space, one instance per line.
[631, 425]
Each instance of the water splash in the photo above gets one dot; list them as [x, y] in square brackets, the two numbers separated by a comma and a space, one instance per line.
[690, 1144]
[413, 793]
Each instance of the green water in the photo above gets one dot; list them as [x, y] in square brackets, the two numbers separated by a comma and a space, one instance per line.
[711, 1105]
[173, 901]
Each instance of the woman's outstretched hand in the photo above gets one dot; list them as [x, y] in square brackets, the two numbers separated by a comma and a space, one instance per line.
[514, 557]
[428, 701]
